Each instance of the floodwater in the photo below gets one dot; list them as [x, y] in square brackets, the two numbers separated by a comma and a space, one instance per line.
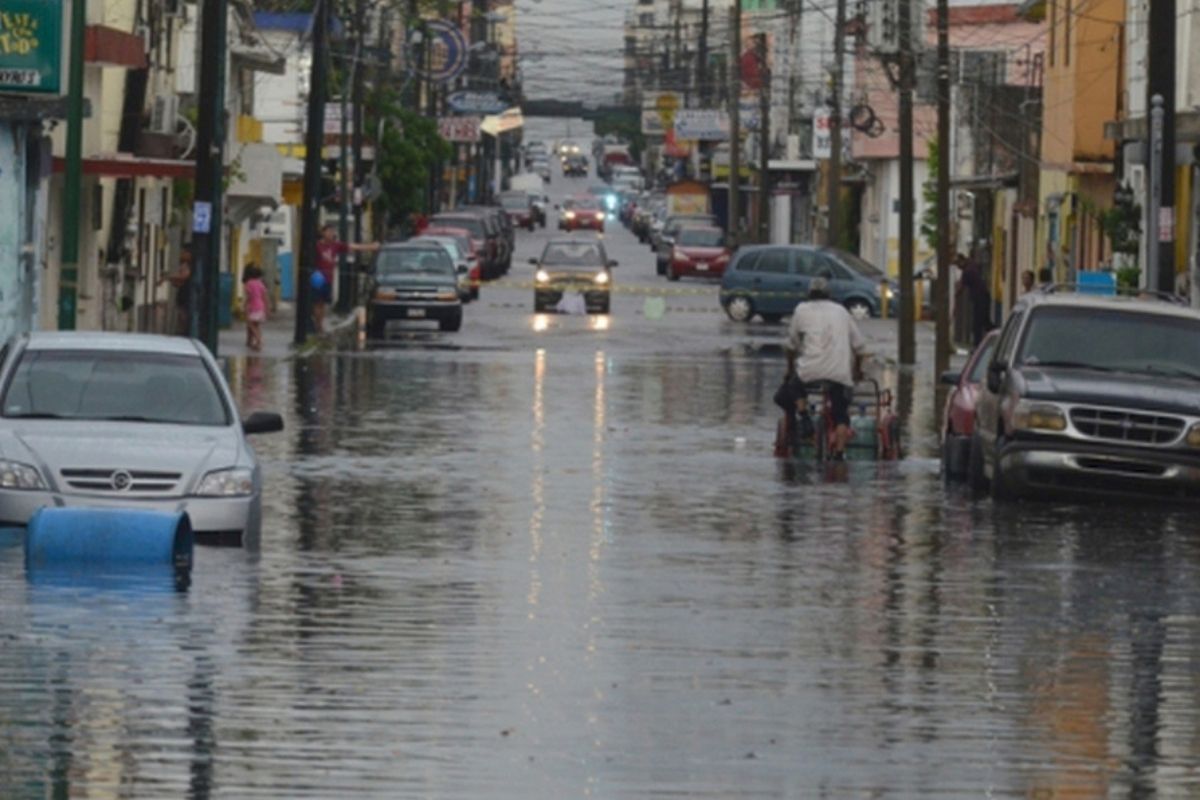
[562, 573]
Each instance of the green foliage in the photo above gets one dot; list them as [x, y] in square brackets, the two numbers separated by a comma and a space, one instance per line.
[1122, 224]
[1128, 277]
[929, 226]
[408, 151]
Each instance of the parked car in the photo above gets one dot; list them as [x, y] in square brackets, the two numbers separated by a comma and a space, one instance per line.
[414, 281]
[573, 265]
[519, 207]
[958, 417]
[578, 213]
[1091, 395]
[485, 238]
[127, 420]
[474, 260]
[698, 252]
[769, 280]
[459, 250]
[666, 237]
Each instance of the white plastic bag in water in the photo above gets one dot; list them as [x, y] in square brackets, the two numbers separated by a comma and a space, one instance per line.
[571, 304]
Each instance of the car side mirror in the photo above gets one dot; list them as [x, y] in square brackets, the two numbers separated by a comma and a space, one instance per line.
[613, 263]
[951, 377]
[262, 422]
[533, 261]
[995, 375]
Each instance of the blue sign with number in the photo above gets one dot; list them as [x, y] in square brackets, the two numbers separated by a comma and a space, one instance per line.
[202, 217]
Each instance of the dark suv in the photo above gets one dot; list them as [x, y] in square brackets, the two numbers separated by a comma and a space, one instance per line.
[1091, 395]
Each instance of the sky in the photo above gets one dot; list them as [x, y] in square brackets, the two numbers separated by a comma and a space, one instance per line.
[571, 49]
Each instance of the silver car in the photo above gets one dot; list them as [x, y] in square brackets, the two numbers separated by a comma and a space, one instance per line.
[127, 421]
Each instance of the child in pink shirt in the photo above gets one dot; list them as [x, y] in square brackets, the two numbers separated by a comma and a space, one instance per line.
[256, 305]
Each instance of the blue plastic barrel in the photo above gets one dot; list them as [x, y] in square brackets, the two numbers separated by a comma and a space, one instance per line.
[87, 537]
[1101, 283]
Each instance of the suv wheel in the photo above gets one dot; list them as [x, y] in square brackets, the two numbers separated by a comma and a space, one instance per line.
[976, 481]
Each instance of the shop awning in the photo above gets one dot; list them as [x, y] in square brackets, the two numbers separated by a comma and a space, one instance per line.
[121, 166]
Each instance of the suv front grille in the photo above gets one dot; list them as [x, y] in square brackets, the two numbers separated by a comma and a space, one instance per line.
[121, 481]
[1123, 426]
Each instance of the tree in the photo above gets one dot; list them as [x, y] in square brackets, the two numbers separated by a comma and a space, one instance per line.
[409, 148]
[929, 219]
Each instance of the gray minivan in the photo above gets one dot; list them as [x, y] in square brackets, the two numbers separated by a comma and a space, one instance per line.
[769, 280]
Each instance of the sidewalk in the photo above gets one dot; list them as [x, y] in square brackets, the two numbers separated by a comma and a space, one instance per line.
[278, 332]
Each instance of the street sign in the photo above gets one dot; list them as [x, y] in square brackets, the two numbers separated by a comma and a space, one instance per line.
[468, 102]
[459, 129]
[709, 125]
[449, 57]
[333, 119]
[31, 46]
[652, 123]
[202, 217]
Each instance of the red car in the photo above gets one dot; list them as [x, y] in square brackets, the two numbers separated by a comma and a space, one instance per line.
[700, 252]
[958, 419]
[580, 213]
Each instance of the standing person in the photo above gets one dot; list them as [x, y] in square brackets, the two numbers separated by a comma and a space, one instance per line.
[256, 305]
[181, 279]
[824, 346]
[971, 284]
[1027, 282]
[328, 250]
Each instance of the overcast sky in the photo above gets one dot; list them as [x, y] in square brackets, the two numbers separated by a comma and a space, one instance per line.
[571, 49]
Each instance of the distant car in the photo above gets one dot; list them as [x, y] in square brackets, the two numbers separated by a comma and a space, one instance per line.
[485, 238]
[770, 280]
[519, 207]
[114, 420]
[1090, 396]
[698, 252]
[575, 166]
[665, 239]
[414, 281]
[474, 259]
[573, 265]
[579, 213]
[958, 417]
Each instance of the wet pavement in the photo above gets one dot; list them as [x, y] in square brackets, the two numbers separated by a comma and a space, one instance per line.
[552, 557]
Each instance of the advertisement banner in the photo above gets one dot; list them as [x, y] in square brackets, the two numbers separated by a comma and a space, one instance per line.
[31, 46]
[652, 123]
[708, 125]
[460, 129]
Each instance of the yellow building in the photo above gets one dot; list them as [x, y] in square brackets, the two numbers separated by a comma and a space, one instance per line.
[1081, 92]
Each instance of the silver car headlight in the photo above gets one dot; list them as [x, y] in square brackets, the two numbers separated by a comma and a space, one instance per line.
[15, 475]
[237, 482]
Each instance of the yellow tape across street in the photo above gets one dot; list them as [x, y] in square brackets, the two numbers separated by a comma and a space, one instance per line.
[652, 291]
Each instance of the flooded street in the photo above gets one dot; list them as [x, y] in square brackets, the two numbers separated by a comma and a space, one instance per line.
[553, 557]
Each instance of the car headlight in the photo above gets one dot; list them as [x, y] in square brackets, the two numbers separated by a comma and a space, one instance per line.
[447, 295]
[570, 215]
[541, 276]
[1032, 416]
[888, 292]
[15, 475]
[601, 277]
[1193, 437]
[237, 482]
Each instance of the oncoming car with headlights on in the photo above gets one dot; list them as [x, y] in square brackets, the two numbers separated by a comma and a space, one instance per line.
[578, 213]
[135, 421]
[573, 265]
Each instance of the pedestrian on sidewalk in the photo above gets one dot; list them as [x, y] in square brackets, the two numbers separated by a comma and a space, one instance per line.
[256, 305]
[328, 250]
[972, 284]
[181, 279]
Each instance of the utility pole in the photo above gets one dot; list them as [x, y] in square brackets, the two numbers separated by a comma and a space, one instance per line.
[764, 141]
[314, 139]
[345, 278]
[1160, 228]
[735, 126]
[69, 276]
[908, 339]
[941, 288]
[210, 174]
[359, 100]
[833, 185]
[702, 89]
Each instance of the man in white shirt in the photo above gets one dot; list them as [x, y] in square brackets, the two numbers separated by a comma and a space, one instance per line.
[825, 346]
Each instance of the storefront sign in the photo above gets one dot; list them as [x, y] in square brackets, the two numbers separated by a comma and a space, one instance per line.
[707, 125]
[459, 129]
[467, 102]
[31, 46]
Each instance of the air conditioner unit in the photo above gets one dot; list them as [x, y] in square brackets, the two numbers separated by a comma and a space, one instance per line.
[163, 114]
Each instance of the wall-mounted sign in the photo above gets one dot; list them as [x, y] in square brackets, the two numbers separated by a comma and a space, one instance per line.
[31, 46]
[468, 102]
[448, 59]
[459, 129]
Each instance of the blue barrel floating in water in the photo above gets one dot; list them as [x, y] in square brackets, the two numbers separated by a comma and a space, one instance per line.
[108, 537]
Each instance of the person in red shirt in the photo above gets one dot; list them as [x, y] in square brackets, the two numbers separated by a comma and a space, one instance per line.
[328, 250]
